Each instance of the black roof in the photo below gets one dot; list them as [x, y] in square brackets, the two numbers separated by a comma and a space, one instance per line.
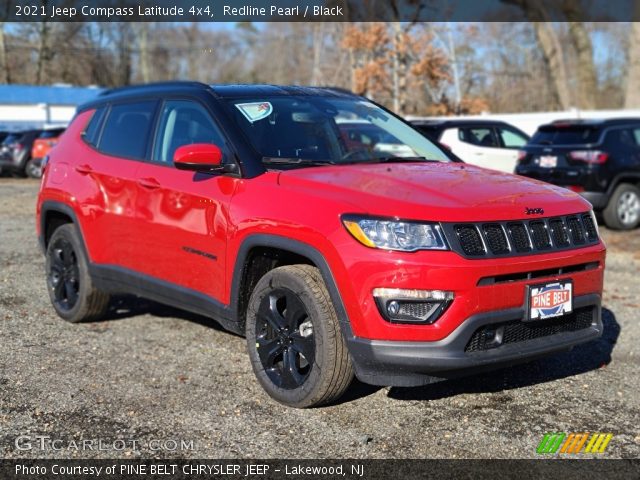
[236, 91]
[219, 91]
[455, 122]
[590, 122]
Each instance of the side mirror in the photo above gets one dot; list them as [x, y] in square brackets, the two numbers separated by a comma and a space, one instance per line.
[200, 157]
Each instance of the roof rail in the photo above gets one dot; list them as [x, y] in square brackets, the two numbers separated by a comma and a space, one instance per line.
[173, 83]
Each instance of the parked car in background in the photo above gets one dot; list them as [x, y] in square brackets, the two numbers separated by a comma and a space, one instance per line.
[15, 151]
[364, 136]
[600, 159]
[486, 143]
[41, 146]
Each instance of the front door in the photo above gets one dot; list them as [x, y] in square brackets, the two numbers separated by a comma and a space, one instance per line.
[183, 216]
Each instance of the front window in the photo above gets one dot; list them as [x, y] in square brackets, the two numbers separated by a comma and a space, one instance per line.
[319, 130]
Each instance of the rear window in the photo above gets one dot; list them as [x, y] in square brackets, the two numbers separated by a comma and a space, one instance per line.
[92, 130]
[127, 129]
[11, 138]
[569, 135]
[52, 133]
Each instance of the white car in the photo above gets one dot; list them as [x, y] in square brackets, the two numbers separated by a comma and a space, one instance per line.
[486, 143]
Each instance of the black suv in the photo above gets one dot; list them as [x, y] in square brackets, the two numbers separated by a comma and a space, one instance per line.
[600, 159]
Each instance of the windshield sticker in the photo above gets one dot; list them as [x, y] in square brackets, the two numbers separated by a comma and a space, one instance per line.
[255, 111]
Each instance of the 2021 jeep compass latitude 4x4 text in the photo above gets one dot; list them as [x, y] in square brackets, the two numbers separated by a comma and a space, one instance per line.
[250, 204]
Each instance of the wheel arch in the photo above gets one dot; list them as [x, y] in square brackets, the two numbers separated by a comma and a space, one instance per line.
[627, 177]
[53, 215]
[294, 250]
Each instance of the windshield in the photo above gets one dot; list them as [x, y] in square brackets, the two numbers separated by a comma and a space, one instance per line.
[290, 129]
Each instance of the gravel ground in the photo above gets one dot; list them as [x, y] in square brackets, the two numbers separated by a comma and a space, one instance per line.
[154, 373]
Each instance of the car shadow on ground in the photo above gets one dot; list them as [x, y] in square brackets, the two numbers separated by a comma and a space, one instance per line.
[583, 358]
[126, 306]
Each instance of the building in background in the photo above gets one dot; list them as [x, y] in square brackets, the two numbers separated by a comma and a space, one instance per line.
[34, 106]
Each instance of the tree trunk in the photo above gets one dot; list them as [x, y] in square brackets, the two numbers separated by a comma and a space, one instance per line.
[318, 47]
[554, 59]
[586, 70]
[4, 65]
[632, 93]
[43, 46]
[538, 15]
[143, 45]
[395, 69]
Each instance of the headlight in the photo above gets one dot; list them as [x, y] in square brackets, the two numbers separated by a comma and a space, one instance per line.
[395, 234]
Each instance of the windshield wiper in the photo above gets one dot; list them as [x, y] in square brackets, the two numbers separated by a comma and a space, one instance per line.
[294, 161]
[391, 159]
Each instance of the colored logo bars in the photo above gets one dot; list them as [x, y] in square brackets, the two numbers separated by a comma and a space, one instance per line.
[561, 442]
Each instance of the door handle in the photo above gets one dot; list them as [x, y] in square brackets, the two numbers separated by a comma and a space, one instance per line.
[84, 169]
[150, 183]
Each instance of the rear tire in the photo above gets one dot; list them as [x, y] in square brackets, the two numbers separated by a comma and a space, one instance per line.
[33, 168]
[623, 210]
[294, 340]
[69, 283]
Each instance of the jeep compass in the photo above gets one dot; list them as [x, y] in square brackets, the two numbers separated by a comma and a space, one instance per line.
[333, 257]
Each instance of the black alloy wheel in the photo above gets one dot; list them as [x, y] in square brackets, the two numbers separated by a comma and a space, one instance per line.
[294, 338]
[284, 339]
[64, 275]
[71, 288]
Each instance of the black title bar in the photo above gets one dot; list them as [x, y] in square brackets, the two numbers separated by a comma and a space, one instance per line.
[318, 10]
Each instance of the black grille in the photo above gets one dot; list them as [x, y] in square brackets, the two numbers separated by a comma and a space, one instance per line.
[418, 310]
[470, 240]
[517, 331]
[540, 235]
[559, 233]
[519, 237]
[496, 239]
[589, 227]
[575, 227]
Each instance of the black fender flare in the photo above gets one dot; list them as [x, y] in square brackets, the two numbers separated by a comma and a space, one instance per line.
[621, 178]
[55, 206]
[299, 248]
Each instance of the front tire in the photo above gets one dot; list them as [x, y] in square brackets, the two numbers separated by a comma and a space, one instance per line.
[293, 336]
[69, 283]
[623, 210]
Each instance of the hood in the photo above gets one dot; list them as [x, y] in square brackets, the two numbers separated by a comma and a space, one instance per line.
[434, 191]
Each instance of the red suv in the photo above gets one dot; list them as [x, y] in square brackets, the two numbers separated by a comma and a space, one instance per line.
[244, 203]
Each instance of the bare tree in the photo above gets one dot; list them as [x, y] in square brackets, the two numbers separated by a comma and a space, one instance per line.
[632, 90]
[4, 64]
[536, 12]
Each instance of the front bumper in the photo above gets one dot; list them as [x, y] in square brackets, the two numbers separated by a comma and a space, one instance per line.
[406, 363]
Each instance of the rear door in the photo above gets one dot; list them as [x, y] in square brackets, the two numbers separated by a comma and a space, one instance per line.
[183, 216]
[480, 146]
[511, 142]
[120, 135]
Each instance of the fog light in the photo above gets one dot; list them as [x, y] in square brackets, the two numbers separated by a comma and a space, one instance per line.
[393, 307]
[411, 306]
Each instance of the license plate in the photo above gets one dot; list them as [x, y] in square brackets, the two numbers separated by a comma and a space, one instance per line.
[550, 300]
[548, 161]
